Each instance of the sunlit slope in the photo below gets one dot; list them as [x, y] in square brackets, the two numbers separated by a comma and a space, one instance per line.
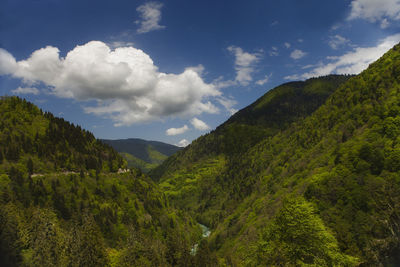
[202, 178]
[344, 159]
[64, 202]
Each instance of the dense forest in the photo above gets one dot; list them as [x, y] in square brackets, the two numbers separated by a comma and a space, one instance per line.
[66, 200]
[204, 174]
[308, 175]
[316, 186]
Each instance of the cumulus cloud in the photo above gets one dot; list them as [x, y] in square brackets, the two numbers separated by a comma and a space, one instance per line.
[183, 143]
[352, 62]
[176, 131]
[125, 82]
[375, 11]
[297, 54]
[337, 41]
[150, 14]
[8, 64]
[263, 81]
[199, 124]
[244, 64]
[25, 90]
[287, 45]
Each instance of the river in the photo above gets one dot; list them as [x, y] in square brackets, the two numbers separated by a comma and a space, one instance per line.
[205, 233]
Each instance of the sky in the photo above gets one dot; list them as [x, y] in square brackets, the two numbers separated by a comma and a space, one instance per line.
[174, 70]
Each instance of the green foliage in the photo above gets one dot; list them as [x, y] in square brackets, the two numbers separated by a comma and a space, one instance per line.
[73, 220]
[134, 162]
[297, 237]
[46, 142]
[339, 150]
[187, 186]
[62, 202]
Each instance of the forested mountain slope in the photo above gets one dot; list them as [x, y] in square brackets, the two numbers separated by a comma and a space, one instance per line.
[343, 161]
[142, 154]
[49, 142]
[273, 112]
[323, 191]
[202, 178]
[63, 203]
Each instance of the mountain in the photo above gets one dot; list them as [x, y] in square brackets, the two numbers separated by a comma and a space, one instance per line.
[201, 175]
[51, 143]
[64, 200]
[273, 112]
[142, 154]
[308, 175]
[315, 186]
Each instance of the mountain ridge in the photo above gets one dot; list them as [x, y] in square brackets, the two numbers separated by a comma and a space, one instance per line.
[141, 153]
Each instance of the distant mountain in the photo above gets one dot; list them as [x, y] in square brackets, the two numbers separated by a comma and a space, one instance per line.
[290, 182]
[142, 154]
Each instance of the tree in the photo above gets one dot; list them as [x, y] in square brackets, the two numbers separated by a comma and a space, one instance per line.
[44, 246]
[204, 256]
[10, 243]
[85, 245]
[297, 237]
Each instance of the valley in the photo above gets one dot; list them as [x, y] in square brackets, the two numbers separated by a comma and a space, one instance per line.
[307, 175]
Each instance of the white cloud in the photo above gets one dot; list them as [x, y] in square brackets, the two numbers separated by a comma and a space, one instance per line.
[375, 11]
[274, 51]
[176, 131]
[244, 64]
[183, 143]
[293, 77]
[263, 81]
[297, 54]
[337, 41]
[125, 82]
[287, 45]
[150, 14]
[199, 124]
[300, 40]
[25, 90]
[8, 64]
[352, 62]
[228, 104]
[221, 83]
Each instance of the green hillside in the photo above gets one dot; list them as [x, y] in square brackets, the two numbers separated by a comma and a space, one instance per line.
[319, 191]
[273, 112]
[51, 143]
[142, 154]
[199, 178]
[63, 203]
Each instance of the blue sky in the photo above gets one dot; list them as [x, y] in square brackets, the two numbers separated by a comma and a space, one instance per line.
[174, 70]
